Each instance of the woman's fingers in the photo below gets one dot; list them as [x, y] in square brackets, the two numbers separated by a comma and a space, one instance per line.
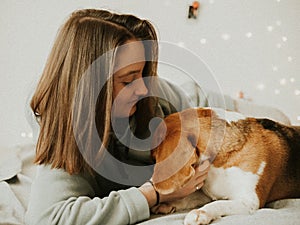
[201, 174]
[202, 169]
[194, 184]
[204, 166]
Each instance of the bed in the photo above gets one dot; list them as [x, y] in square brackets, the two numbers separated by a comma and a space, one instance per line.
[282, 212]
[17, 172]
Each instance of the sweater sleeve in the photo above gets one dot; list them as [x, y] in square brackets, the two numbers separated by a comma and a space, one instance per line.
[63, 199]
[214, 99]
[202, 97]
[190, 94]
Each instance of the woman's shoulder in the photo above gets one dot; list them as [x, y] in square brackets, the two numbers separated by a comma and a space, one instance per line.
[58, 179]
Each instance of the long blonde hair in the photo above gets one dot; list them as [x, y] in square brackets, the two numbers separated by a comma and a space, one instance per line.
[85, 36]
[142, 30]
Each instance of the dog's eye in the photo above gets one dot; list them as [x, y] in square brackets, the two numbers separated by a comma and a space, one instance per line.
[194, 165]
[197, 151]
[192, 139]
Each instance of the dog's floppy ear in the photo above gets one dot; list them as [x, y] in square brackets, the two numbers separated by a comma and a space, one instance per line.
[158, 137]
[178, 154]
[174, 171]
[176, 181]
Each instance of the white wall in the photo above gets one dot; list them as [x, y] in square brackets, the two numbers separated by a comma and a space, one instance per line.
[250, 46]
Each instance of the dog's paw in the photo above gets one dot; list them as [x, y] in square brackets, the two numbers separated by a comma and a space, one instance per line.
[197, 217]
[163, 208]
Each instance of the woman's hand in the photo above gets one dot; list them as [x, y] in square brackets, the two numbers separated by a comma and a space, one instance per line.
[194, 184]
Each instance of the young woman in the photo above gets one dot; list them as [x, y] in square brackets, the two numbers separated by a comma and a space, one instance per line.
[92, 100]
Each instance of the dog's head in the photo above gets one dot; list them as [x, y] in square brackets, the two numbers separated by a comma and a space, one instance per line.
[182, 140]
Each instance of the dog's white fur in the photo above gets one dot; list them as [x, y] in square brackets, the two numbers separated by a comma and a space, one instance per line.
[225, 184]
[228, 116]
[234, 190]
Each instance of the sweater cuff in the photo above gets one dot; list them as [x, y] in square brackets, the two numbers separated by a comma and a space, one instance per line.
[136, 203]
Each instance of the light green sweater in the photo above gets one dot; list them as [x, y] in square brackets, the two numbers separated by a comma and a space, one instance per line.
[60, 198]
[63, 199]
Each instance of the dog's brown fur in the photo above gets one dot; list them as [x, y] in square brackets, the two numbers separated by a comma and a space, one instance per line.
[245, 144]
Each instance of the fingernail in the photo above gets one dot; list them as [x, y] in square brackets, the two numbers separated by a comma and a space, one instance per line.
[205, 164]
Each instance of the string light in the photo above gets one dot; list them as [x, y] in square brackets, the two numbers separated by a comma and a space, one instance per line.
[225, 37]
[260, 86]
[249, 35]
[29, 135]
[274, 68]
[284, 39]
[278, 23]
[203, 41]
[269, 28]
[282, 81]
[297, 92]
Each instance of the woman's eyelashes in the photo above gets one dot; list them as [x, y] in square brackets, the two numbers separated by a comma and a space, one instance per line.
[131, 79]
[127, 82]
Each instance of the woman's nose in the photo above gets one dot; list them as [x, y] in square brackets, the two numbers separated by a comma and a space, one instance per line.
[141, 89]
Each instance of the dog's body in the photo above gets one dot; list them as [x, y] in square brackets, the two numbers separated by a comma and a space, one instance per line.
[254, 161]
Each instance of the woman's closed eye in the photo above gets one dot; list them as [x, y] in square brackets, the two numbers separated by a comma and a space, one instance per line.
[130, 78]
[127, 82]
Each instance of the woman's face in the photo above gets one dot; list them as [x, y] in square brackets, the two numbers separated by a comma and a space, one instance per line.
[128, 83]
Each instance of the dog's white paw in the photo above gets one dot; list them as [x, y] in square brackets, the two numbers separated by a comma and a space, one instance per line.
[163, 208]
[197, 217]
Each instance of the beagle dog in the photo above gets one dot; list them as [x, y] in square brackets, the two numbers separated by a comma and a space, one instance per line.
[253, 162]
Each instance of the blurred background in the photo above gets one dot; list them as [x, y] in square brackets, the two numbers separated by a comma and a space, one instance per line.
[252, 48]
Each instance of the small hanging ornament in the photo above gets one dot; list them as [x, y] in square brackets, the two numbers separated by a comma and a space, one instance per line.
[241, 95]
[193, 10]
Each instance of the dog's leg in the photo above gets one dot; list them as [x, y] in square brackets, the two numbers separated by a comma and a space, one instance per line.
[193, 200]
[219, 208]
